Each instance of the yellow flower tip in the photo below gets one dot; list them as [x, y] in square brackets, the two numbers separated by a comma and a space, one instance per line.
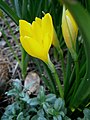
[25, 28]
[55, 41]
[69, 29]
[73, 21]
[38, 20]
[36, 38]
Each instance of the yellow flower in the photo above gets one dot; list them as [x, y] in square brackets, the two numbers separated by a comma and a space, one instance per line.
[36, 38]
[69, 30]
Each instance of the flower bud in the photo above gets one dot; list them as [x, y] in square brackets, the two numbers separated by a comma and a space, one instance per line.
[69, 30]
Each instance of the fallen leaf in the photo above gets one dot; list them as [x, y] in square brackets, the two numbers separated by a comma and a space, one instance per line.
[32, 82]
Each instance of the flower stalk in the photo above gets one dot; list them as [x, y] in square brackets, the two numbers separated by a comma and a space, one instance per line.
[60, 52]
[53, 70]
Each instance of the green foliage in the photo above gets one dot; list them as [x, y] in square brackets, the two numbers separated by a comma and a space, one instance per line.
[42, 107]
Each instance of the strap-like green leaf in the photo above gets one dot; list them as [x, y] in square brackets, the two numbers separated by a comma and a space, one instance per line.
[9, 11]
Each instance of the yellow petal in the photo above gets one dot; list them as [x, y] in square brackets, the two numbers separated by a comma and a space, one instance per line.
[47, 25]
[74, 28]
[47, 31]
[72, 31]
[33, 48]
[47, 41]
[36, 32]
[65, 32]
[38, 20]
[69, 29]
[25, 28]
[73, 21]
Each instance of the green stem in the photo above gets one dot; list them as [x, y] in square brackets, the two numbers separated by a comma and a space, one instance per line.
[88, 5]
[77, 72]
[17, 8]
[51, 79]
[69, 79]
[24, 9]
[25, 56]
[82, 70]
[53, 70]
[60, 52]
[25, 60]
[77, 80]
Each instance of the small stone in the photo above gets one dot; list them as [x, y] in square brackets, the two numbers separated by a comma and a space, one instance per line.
[0, 34]
[12, 24]
[2, 43]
